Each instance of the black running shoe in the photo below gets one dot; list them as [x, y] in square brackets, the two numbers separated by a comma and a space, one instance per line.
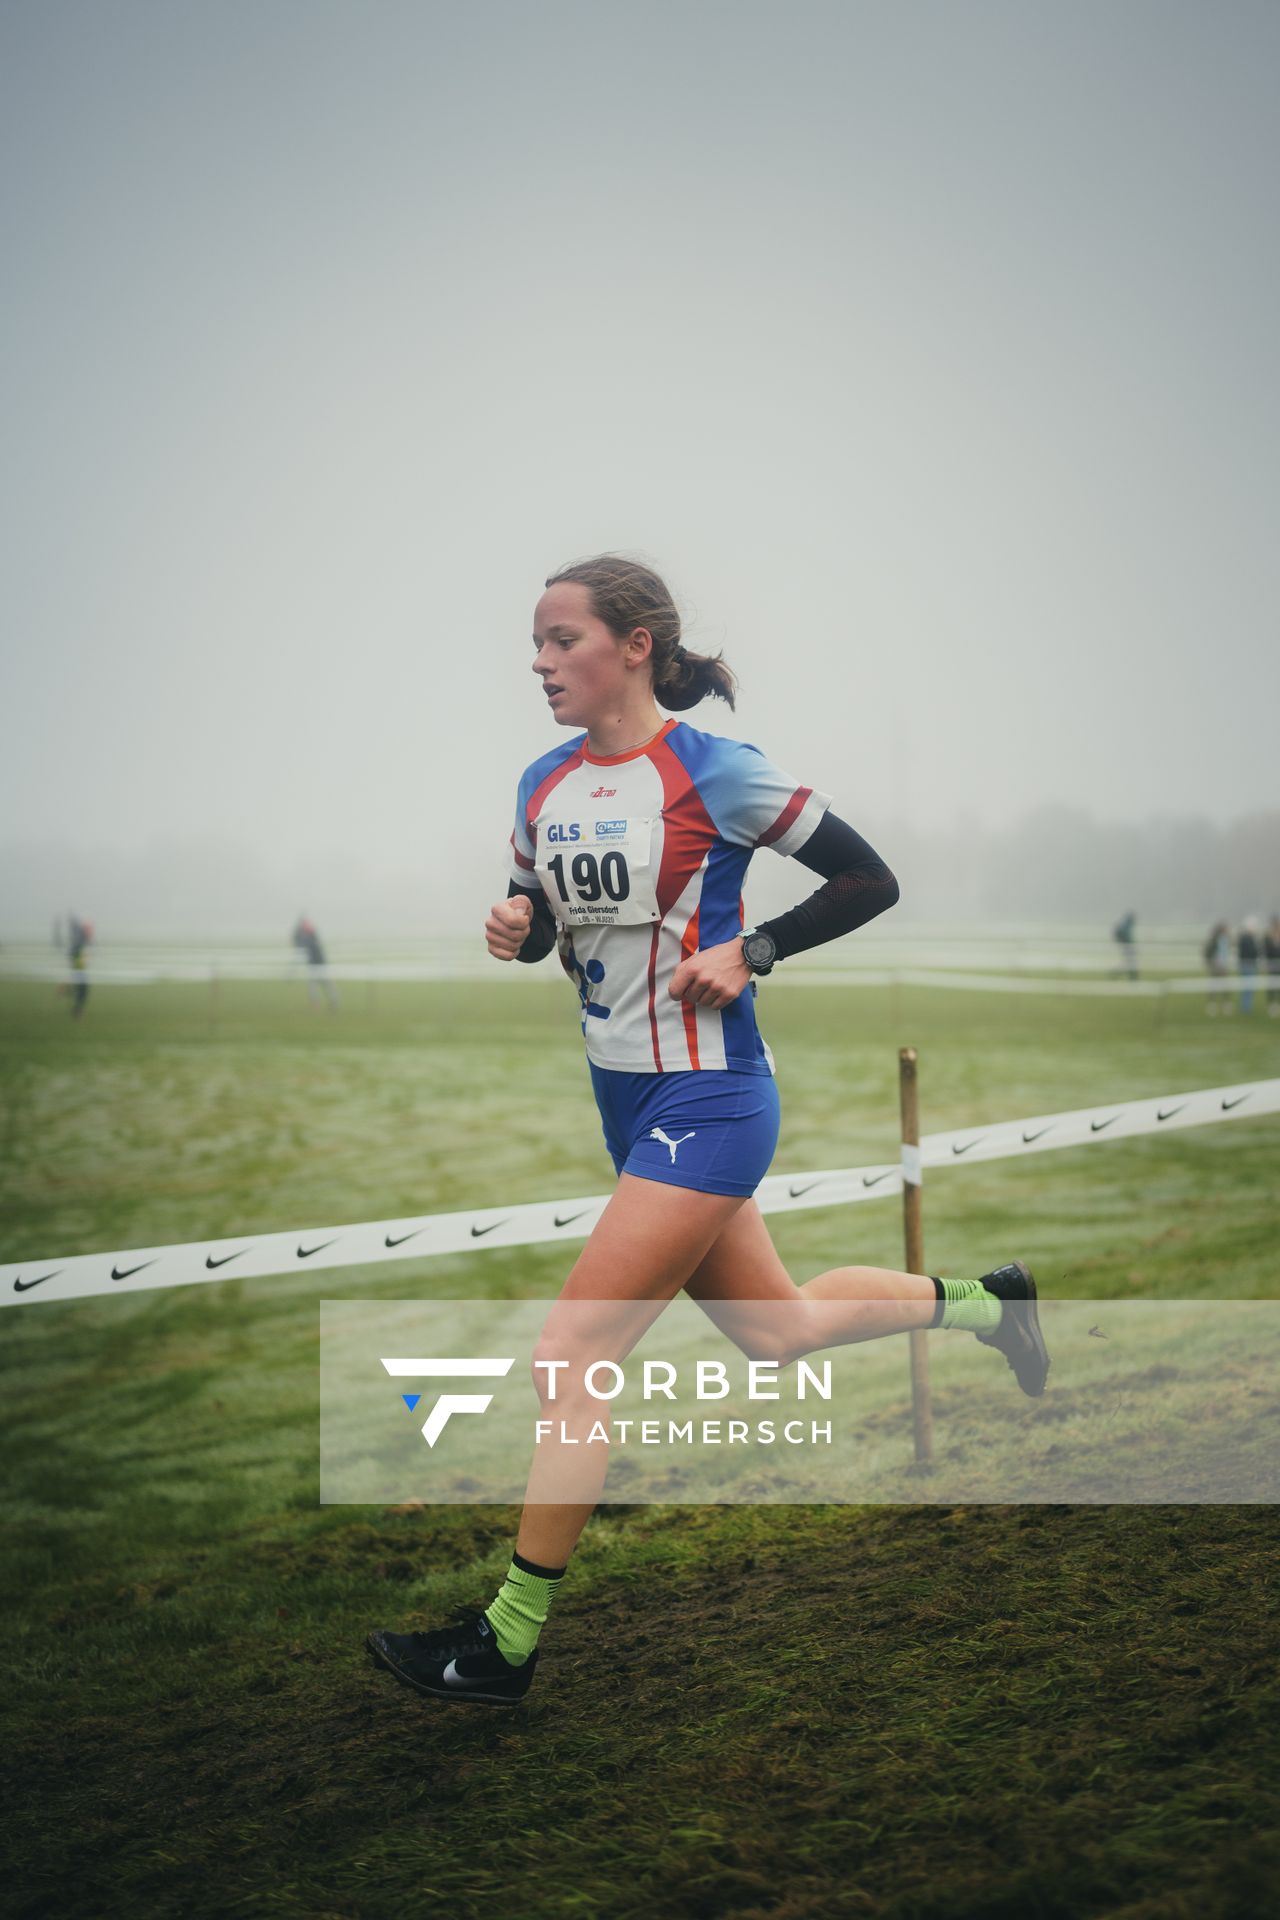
[1018, 1336]
[461, 1662]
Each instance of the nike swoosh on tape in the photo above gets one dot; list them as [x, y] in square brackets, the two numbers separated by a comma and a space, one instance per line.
[305, 1253]
[1096, 1126]
[875, 1179]
[567, 1218]
[211, 1263]
[795, 1192]
[968, 1143]
[1027, 1138]
[477, 1231]
[1171, 1112]
[1228, 1104]
[25, 1286]
[117, 1275]
[387, 1241]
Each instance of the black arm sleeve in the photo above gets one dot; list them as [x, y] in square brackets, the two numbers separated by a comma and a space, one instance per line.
[858, 887]
[541, 936]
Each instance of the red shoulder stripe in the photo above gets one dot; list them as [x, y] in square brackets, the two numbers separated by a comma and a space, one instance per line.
[786, 817]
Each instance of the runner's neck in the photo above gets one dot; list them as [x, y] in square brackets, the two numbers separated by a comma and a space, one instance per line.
[608, 749]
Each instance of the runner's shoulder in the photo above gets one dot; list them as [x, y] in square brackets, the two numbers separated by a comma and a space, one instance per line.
[712, 751]
[537, 770]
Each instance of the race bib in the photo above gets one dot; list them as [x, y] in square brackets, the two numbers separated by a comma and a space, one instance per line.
[596, 870]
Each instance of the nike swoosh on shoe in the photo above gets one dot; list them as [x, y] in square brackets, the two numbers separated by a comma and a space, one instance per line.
[452, 1678]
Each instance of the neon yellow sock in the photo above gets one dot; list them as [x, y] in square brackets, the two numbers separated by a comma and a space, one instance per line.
[966, 1304]
[518, 1611]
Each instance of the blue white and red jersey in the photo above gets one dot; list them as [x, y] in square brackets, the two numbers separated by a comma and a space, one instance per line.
[642, 858]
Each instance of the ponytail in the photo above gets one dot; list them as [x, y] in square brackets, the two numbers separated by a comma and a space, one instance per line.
[689, 677]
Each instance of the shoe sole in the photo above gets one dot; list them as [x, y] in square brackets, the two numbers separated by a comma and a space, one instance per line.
[1031, 1323]
[383, 1659]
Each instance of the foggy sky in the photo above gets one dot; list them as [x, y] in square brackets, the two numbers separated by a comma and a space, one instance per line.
[928, 350]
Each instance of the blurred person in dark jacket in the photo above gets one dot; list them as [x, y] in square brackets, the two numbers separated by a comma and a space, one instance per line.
[1271, 954]
[1123, 934]
[79, 940]
[307, 941]
[1247, 951]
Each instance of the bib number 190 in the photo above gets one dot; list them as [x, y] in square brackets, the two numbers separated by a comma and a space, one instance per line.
[592, 877]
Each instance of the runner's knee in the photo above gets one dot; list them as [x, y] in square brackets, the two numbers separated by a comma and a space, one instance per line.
[558, 1367]
[777, 1331]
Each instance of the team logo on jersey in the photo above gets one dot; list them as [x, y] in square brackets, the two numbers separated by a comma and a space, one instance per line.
[611, 829]
[604, 793]
[588, 977]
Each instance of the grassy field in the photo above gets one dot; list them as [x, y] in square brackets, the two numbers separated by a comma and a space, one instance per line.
[914, 1710]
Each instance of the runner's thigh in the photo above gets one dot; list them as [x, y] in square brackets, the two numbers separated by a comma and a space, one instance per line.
[647, 1243]
[744, 1266]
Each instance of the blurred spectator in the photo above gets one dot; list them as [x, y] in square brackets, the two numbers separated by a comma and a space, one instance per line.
[79, 940]
[1247, 950]
[1271, 952]
[307, 940]
[1217, 957]
[1123, 932]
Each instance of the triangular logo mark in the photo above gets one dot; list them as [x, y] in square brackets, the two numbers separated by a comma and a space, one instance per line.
[411, 1400]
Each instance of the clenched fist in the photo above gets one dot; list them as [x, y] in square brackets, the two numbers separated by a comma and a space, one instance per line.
[711, 977]
[507, 927]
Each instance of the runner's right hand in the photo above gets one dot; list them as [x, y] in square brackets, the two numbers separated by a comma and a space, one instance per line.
[507, 927]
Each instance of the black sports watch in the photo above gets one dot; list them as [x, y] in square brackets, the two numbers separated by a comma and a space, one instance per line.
[759, 949]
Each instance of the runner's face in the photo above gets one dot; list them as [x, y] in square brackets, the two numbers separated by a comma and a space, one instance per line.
[581, 666]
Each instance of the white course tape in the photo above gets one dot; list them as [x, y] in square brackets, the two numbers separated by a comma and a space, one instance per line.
[250, 1256]
[912, 1166]
[97, 975]
[1016, 983]
[409, 971]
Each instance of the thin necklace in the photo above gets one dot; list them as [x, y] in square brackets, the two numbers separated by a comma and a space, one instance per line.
[636, 743]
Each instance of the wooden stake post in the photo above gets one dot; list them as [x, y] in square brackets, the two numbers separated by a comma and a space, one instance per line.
[913, 1226]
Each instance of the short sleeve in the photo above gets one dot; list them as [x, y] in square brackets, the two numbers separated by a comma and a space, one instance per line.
[533, 781]
[520, 847]
[752, 802]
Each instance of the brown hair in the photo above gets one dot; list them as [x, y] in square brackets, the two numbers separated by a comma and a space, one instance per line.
[626, 594]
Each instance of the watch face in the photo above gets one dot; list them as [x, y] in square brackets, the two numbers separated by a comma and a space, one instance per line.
[759, 950]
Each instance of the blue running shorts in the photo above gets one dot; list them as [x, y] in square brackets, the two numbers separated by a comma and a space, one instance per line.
[714, 1129]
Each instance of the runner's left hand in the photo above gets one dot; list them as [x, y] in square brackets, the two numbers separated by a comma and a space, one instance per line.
[711, 977]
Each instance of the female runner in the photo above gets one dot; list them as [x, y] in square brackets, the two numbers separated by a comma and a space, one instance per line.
[630, 847]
